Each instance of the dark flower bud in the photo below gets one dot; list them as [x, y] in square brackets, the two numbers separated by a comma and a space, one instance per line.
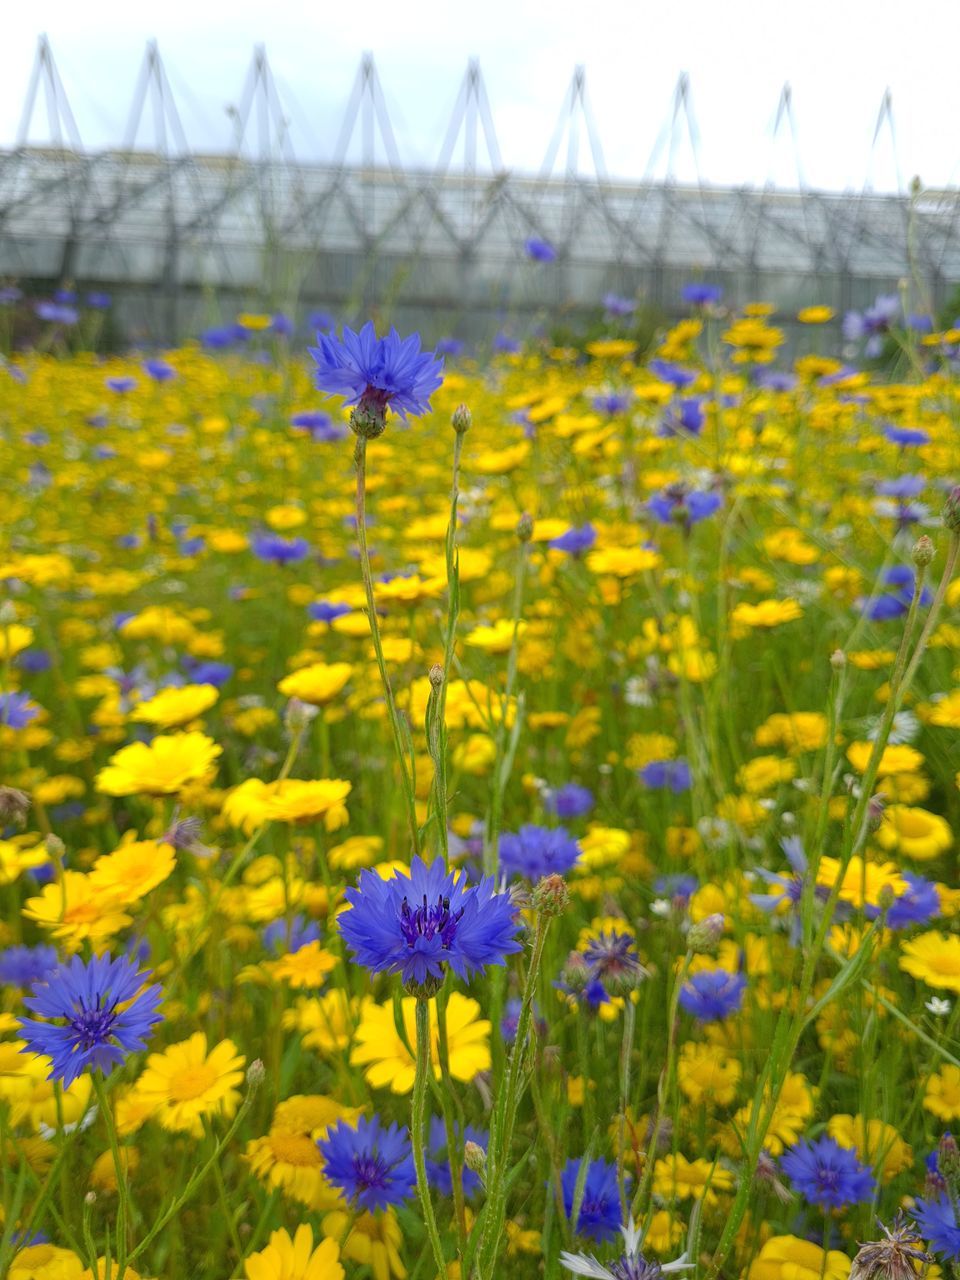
[368, 421]
[462, 419]
[948, 1160]
[425, 990]
[900, 1255]
[256, 1074]
[705, 935]
[525, 527]
[436, 675]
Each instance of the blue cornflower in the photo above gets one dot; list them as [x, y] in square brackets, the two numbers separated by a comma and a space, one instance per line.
[827, 1174]
[376, 373]
[872, 323]
[686, 507]
[328, 610]
[570, 801]
[320, 426]
[290, 935]
[370, 1163]
[788, 888]
[713, 994]
[534, 852]
[667, 775]
[90, 1030]
[612, 403]
[686, 415]
[16, 710]
[33, 661]
[631, 1265]
[774, 379]
[504, 343]
[919, 903]
[98, 301]
[679, 888]
[449, 347]
[700, 295]
[612, 957]
[439, 1173]
[938, 1225]
[207, 671]
[902, 487]
[56, 313]
[121, 385]
[277, 550]
[676, 374]
[600, 1217]
[416, 924]
[540, 250]
[576, 540]
[905, 436]
[615, 305]
[159, 370]
[23, 966]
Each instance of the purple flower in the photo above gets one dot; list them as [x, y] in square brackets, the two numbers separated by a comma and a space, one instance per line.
[439, 1173]
[576, 540]
[713, 994]
[87, 1030]
[938, 1224]
[612, 404]
[682, 506]
[23, 966]
[600, 1217]
[159, 370]
[686, 415]
[417, 924]
[906, 436]
[540, 250]
[449, 347]
[284, 935]
[505, 344]
[535, 852]
[121, 385]
[676, 374]
[370, 1163]
[16, 710]
[55, 313]
[328, 610]
[570, 801]
[700, 295]
[919, 903]
[828, 1175]
[667, 775]
[277, 550]
[376, 373]
[614, 305]
[98, 301]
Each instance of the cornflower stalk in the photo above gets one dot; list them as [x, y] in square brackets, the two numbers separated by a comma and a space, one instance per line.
[120, 1172]
[790, 1028]
[418, 1121]
[397, 731]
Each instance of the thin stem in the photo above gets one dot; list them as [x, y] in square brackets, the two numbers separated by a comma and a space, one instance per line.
[360, 458]
[417, 1122]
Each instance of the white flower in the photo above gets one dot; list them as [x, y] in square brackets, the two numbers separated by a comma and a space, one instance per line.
[660, 907]
[938, 1006]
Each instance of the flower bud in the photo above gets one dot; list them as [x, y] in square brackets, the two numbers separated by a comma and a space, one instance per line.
[90, 1198]
[8, 613]
[436, 676]
[838, 659]
[256, 1074]
[298, 715]
[14, 806]
[461, 420]
[55, 847]
[875, 810]
[368, 421]
[475, 1158]
[705, 935]
[525, 527]
[948, 1160]
[923, 551]
[551, 896]
[951, 510]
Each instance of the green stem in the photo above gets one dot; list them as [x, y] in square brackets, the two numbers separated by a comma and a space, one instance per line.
[417, 1123]
[123, 1194]
[360, 458]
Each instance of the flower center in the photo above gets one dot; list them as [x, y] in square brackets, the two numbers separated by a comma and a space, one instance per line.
[93, 1026]
[370, 1171]
[636, 1269]
[434, 921]
[828, 1179]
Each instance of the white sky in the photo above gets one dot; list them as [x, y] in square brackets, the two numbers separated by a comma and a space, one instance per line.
[839, 56]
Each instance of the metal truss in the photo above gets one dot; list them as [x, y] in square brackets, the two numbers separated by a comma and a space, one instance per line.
[173, 233]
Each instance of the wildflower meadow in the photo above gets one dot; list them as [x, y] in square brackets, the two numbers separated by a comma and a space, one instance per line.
[481, 817]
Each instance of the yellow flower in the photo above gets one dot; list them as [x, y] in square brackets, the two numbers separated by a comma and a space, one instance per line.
[164, 767]
[317, 684]
[876, 1144]
[308, 966]
[934, 958]
[14, 638]
[130, 872]
[498, 638]
[895, 759]
[256, 324]
[863, 882]
[17, 857]
[815, 315]
[295, 1259]
[103, 1175]
[77, 909]
[185, 1083]
[764, 774]
[795, 732]
[914, 833]
[374, 1240]
[24, 1085]
[942, 1095]
[355, 851]
[297, 800]
[286, 516]
[706, 1074]
[622, 562]
[790, 1258]
[677, 1178]
[768, 613]
[389, 1062]
[476, 755]
[46, 1262]
[325, 1022]
[602, 847]
[173, 707]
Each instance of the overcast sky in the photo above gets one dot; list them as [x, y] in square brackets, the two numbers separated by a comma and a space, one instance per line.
[838, 55]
